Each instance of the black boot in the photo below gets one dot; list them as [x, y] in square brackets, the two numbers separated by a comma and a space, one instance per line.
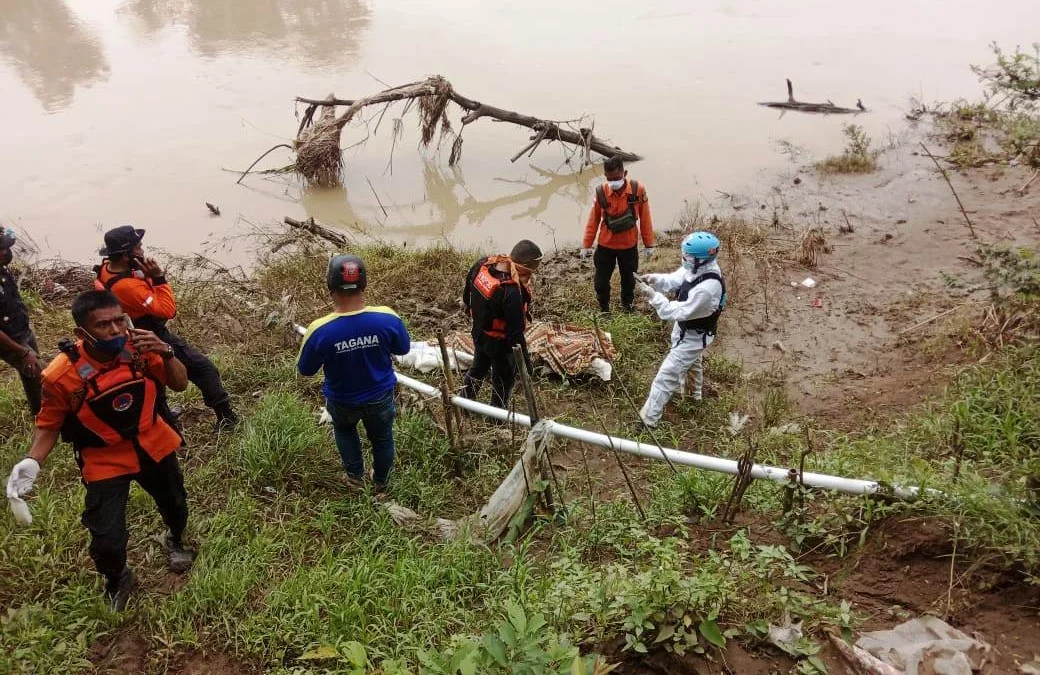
[227, 420]
[181, 557]
[119, 592]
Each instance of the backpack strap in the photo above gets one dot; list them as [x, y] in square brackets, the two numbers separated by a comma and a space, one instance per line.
[601, 198]
[116, 278]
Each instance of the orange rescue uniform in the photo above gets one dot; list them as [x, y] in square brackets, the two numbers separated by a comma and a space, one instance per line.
[77, 395]
[617, 204]
[139, 296]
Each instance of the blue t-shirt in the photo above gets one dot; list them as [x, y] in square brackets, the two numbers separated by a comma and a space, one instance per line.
[354, 348]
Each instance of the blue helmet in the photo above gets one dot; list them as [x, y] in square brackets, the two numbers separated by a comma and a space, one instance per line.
[699, 248]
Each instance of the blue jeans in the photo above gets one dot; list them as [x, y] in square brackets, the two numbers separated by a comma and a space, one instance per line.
[378, 418]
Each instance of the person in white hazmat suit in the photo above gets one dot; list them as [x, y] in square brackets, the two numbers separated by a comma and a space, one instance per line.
[700, 296]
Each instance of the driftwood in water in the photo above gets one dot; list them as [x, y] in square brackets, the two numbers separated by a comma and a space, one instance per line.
[826, 108]
[318, 155]
[329, 235]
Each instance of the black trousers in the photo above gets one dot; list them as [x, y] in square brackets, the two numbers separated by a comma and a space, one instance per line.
[201, 371]
[104, 512]
[495, 357]
[31, 385]
[604, 260]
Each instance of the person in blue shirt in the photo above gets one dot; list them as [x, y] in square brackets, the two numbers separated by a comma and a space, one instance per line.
[354, 345]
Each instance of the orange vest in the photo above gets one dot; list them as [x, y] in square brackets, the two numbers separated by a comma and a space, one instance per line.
[116, 419]
[487, 284]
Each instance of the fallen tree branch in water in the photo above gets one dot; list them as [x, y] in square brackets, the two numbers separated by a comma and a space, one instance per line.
[246, 172]
[320, 231]
[317, 144]
[802, 106]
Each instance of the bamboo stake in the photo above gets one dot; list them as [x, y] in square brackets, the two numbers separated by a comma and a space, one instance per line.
[955, 195]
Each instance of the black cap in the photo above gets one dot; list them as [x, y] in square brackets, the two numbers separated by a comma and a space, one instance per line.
[346, 273]
[121, 239]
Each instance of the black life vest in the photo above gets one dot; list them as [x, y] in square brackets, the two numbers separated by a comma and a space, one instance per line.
[623, 221]
[485, 308]
[706, 325]
[14, 318]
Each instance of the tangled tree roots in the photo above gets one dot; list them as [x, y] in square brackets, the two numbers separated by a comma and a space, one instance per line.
[319, 159]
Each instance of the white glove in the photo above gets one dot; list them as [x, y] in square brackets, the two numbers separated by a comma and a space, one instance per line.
[19, 483]
[648, 252]
[646, 289]
[585, 253]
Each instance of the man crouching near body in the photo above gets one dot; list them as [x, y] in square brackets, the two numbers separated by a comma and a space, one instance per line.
[100, 394]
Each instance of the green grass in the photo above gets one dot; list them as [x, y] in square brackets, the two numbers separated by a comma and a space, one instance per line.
[857, 156]
[293, 569]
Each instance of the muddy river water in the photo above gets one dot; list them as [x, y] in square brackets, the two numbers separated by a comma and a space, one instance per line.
[129, 111]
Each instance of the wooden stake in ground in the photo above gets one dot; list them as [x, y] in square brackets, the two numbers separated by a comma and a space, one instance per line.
[947, 179]
[449, 426]
[545, 468]
[449, 380]
[624, 471]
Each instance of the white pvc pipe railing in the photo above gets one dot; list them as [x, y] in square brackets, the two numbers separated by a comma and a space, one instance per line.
[707, 462]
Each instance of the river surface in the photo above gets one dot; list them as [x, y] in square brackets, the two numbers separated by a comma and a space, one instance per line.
[130, 111]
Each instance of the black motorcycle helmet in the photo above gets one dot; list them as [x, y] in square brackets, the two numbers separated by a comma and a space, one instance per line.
[346, 273]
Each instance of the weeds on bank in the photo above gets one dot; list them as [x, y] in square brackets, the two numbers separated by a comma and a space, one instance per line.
[1006, 125]
[1011, 276]
[857, 156]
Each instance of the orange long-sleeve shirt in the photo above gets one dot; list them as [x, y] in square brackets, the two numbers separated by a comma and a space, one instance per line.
[617, 204]
[139, 296]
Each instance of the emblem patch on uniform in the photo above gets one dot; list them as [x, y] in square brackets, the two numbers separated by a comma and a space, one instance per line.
[351, 273]
[122, 402]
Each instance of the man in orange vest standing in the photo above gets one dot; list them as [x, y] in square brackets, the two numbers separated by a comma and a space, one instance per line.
[498, 297]
[101, 394]
[148, 300]
[620, 216]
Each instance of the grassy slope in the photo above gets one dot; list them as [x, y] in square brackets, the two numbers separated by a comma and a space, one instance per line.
[290, 563]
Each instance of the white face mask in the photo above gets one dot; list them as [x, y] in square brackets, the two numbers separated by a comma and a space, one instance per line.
[616, 184]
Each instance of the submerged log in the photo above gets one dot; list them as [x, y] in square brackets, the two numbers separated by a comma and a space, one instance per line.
[802, 106]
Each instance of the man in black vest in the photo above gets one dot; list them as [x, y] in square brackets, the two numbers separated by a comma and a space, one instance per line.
[17, 342]
[498, 296]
